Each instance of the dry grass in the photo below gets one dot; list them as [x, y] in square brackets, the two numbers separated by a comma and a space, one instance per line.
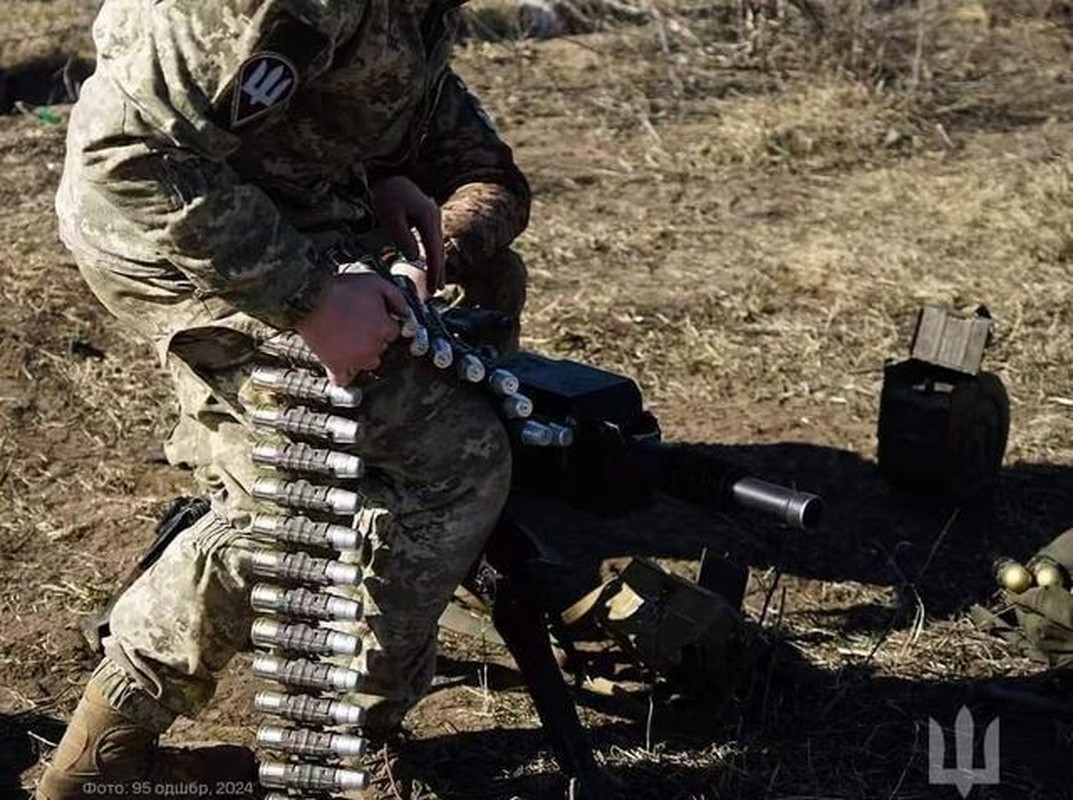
[744, 213]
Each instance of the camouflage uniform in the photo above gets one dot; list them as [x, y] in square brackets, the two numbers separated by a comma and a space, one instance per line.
[217, 171]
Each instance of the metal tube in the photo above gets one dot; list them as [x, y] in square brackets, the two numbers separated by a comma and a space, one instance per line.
[302, 530]
[535, 434]
[797, 509]
[305, 385]
[268, 599]
[296, 457]
[442, 353]
[304, 708]
[419, 344]
[280, 775]
[306, 674]
[305, 742]
[289, 346]
[503, 382]
[517, 406]
[302, 421]
[303, 568]
[268, 632]
[470, 368]
[562, 435]
[409, 325]
[306, 495]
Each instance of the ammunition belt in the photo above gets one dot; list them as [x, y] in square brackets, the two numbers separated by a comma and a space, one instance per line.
[302, 564]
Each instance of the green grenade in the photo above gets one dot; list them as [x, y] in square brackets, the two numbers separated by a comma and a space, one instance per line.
[943, 423]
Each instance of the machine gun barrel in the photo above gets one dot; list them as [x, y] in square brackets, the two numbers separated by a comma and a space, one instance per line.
[688, 473]
[797, 509]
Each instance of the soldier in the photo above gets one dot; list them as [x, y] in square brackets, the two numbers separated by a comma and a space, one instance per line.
[224, 162]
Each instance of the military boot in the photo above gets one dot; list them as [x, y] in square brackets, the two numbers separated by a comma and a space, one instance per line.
[104, 752]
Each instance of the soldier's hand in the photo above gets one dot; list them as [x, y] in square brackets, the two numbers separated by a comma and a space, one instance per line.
[353, 325]
[403, 208]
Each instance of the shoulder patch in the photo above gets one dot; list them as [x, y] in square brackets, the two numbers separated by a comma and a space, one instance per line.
[265, 81]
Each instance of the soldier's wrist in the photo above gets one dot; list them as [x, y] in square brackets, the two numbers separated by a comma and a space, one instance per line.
[308, 297]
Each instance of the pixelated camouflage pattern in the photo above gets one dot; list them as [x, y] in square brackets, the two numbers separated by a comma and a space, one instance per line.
[189, 222]
[438, 474]
[208, 238]
[464, 166]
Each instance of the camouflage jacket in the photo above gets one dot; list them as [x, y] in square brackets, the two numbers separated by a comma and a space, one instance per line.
[223, 145]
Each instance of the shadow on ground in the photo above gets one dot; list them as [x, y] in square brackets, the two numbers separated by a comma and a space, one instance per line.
[801, 732]
[23, 739]
[870, 534]
[792, 734]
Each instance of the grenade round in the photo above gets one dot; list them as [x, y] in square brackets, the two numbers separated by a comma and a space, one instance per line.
[470, 368]
[303, 568]
[304, 708]
[1048, 573]
[305, 495]
[419, 344]
[303, 742]
[443, 355]
[301, 421]
[303, 458]
[280, 775]
[409, 325]
[305, 385]
[1012, 577]
[503, 382]
[302, 530]
[266, 632]
[561, 435]
[535, 434]
[517, 406]
[305, 674]
[268, 599]
[291, 347]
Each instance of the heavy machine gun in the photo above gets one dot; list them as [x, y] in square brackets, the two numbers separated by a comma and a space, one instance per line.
[590, 441]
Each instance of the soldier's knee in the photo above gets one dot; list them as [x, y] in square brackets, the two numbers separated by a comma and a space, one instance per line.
[198, 577]
[482, 447]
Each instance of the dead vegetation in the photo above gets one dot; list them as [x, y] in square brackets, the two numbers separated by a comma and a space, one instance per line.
[742, 204]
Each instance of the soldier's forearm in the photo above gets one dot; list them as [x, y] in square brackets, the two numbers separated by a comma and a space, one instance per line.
[480, 219]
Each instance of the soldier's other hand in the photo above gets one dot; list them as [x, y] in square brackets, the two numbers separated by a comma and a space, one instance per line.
[402, 208]
[353, 325]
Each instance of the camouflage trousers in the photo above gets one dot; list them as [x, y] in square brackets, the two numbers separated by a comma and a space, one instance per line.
[437, 475]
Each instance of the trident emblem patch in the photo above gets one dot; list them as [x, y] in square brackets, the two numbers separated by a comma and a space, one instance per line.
[963, 775]
[265, 81]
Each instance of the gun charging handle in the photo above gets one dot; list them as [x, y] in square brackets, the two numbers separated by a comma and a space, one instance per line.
[797, 509]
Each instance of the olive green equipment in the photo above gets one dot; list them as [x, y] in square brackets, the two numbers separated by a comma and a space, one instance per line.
[943, 421]
[689, 635]
[1036, 615]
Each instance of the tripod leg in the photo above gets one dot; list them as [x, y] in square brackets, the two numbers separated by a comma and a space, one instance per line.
[503, 581]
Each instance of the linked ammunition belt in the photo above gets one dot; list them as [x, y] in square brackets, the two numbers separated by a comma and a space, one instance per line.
[312, 742]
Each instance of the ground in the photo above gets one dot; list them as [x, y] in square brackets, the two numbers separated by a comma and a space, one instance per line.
[742, 212]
